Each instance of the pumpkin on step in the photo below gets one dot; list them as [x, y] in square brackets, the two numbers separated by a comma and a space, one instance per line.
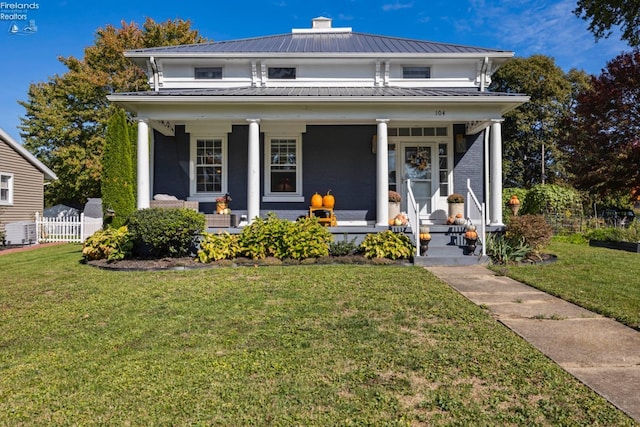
[328, 201]
[425, 236]
[471, 234]
[316, 201]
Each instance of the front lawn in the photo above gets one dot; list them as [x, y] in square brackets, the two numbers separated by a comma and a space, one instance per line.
[606, 281]
[298, 345]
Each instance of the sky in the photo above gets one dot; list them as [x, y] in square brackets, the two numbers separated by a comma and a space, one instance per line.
[33, 34]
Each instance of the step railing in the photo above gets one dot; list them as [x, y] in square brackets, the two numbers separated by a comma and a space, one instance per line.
[412, 214]
[481, 211]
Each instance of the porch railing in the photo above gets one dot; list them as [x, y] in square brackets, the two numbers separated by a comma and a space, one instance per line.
[481, 211]
[412, 214]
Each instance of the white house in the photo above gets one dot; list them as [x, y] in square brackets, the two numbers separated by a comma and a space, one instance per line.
[274, 119]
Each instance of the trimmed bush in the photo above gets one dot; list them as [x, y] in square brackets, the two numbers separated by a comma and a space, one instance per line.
[387, 245]
[532, 230]
[160, 233]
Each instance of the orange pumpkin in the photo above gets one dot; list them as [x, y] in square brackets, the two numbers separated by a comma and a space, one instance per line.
[450, 220]
[328, 201]
[316, 201]
[425, 236]
[458, 215]
[471, 235]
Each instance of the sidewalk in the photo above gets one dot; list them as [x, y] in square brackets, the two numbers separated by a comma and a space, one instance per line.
[598, 351]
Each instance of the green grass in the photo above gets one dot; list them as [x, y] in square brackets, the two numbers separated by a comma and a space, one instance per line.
[270, 346]
[602, 280]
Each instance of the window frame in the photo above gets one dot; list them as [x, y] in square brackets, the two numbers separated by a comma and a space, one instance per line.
[415, 68]
[276, 196]
[270, 77]
[204, 69]
[9, 189]
[208, 196]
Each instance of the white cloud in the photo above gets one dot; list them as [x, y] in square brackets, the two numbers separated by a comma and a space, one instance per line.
[397, 6]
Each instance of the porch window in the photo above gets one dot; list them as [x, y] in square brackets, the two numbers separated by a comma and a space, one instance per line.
[443, 169]
[282, 73]
[208, 73]
[6, 189]
[209, 158]
[416, 72]
[283, 171]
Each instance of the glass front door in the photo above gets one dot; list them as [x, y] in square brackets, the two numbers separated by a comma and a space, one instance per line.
[416, 167]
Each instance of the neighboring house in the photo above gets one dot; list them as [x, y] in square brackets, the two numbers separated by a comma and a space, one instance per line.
[272, 120]
[22, 181]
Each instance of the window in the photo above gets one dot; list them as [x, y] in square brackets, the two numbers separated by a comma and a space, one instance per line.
[283, 167]
[6, 189]
[206, 73]
[282, 73]
[416, 72]
[210, 165]
[443, 169]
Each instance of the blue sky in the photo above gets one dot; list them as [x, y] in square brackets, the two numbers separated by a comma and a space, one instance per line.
[66, 27]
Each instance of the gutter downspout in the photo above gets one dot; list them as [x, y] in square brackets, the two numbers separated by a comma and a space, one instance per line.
[483, 74]
[154, 69]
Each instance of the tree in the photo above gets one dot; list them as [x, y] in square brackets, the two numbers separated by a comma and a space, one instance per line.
[66, 116]
[603, 15]
[117, 169]
[604, 137]
[532, 130]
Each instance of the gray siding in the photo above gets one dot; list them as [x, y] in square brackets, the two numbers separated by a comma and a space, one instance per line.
[28, 187]
[171, 164]
[469, 165]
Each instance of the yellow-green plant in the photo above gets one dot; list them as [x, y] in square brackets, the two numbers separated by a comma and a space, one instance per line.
[387, 245]
[215, 247]
[112, 244]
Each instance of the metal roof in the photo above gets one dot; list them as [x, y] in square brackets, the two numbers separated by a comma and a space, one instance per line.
[321, 43]
[342, 92]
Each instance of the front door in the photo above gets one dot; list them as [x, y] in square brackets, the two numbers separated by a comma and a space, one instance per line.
[416, 167]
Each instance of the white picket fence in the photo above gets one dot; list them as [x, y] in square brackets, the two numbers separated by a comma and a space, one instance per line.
[69, 229]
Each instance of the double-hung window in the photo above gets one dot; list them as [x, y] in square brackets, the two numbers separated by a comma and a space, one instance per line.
[6, 189]
[283, 169]
[209, 161]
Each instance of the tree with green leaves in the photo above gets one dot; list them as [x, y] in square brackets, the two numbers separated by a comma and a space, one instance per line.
[604, 15]
[66, 116]
[532, 131]
[603, 140]
[117, 170]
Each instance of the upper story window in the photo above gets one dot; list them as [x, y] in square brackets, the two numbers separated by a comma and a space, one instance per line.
[208, 73]
[282, 73]
[6, 189]
[416, 72]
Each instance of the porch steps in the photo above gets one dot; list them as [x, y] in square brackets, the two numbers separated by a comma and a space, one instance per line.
[448, 248]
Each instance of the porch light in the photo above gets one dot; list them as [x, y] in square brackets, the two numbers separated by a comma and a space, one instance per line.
[461, 143]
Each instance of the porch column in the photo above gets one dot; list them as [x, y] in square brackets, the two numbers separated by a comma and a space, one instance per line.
[495, 179]
[382, 174]
[253, 167]
[144, 189]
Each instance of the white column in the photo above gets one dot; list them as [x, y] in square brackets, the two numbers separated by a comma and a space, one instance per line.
[495, 190]
[253, 167]
[382, 174]
[144, 189]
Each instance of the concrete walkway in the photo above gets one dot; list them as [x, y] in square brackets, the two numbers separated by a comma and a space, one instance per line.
[598, 351]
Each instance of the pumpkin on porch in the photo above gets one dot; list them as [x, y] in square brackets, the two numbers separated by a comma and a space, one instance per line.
[316, 201]
[328, 201]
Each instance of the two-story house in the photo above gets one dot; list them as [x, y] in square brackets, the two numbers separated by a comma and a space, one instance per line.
[274, 119]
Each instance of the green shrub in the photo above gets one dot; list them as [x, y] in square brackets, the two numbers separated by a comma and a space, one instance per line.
[617, 234]
[550, 198]
[387, 245]
[112, 244]
[503, 250]
[344, 247]
[215, 247]
[160, 233]
[282, 239]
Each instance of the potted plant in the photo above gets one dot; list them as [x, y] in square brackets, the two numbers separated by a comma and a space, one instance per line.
[456, 206]
[514, 205]
[222, 204]
[394, 204]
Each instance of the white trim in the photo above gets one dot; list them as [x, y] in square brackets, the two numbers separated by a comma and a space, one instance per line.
[193, 150]
[275, 196]
[10, 186]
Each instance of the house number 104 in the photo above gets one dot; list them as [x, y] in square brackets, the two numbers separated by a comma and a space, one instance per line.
[439, 112]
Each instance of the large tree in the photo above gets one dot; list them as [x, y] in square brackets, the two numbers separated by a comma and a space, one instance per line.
[531, 132]
[603, 15]
[604, 138]
[66, 116]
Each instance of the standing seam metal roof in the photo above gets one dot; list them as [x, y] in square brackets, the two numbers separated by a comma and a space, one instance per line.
[348, 42]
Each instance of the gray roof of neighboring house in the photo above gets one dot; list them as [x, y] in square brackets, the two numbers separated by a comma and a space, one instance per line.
[321, 92]
[48, 173]
[295, 43]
